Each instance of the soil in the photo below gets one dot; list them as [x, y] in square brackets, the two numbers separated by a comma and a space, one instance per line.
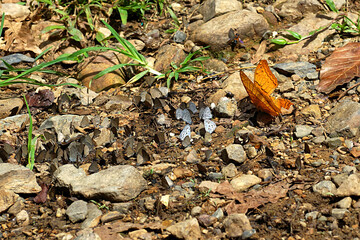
[273, 220]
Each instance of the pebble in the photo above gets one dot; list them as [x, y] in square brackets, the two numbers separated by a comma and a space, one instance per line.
[325, 188]
[349, 169]
[338, 213]
[236, 224]
[111, 216]
[22, 218]
[219, 214]
[344, 203]
[234, 152]
[333, 142]
[215, 176]
[229, 170]
[77, 211]
[244, 182]
[302, 130]
[195, 211]
[188, 229]
[311, 215]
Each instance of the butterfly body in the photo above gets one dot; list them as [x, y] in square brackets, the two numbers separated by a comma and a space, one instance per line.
[259, 91]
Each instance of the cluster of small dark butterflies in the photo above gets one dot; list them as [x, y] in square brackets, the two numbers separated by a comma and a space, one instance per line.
[185, 115]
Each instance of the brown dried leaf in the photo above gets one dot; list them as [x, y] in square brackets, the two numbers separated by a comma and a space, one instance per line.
[342, 66]
[41, 197]
[255, 198]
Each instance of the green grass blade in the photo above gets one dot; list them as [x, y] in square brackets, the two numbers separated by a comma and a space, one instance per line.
[173, 16]
[138, 76]
[295, 34]
[30, 166]
[331, 5]
[2, 23]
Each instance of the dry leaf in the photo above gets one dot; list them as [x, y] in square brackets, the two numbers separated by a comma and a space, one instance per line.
[259, 53]
[41, 197]
[254, 198]
[342, 66]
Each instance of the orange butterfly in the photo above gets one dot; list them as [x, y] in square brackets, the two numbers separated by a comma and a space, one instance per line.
[259, 91]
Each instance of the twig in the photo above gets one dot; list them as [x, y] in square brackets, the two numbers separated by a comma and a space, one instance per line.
[347, 90]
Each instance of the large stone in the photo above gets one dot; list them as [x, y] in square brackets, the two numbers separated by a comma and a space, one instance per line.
[345, 117]
[188, 229]
[214, 8]
[18, 179]
[215, 32]
[118, 183]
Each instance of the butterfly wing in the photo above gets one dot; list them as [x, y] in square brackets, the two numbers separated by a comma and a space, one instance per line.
[260, 98]
[264, 78]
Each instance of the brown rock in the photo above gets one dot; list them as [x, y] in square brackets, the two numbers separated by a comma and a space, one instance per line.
[168, 54]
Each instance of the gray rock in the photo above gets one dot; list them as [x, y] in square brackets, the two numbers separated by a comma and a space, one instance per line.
[77, 211]
[229, 171]
[350, 186]
[192, 157]
[188, 229]
[215, 176]
[236, 224]
[234, 152]
[92, 217]
[344, 117]
[179, 37]
[319, 139]
[344, 203]
[248, 233]
[325, 188]
[349, 169]
[215, 32]
[214, 8]
[118, 183]
[18, 179]
[244, 182]
[312, 215]
[339, 213]
[14, 123]
[333, 142]
[219, 214]
[226, 107]
[122, 207]
[302, 130]
[298, 68]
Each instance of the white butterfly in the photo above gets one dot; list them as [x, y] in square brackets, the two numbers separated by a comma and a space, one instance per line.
[179, 113]
[192, 107]
[186, 116]
[210, 126]
[205, 113]
[185, 132]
